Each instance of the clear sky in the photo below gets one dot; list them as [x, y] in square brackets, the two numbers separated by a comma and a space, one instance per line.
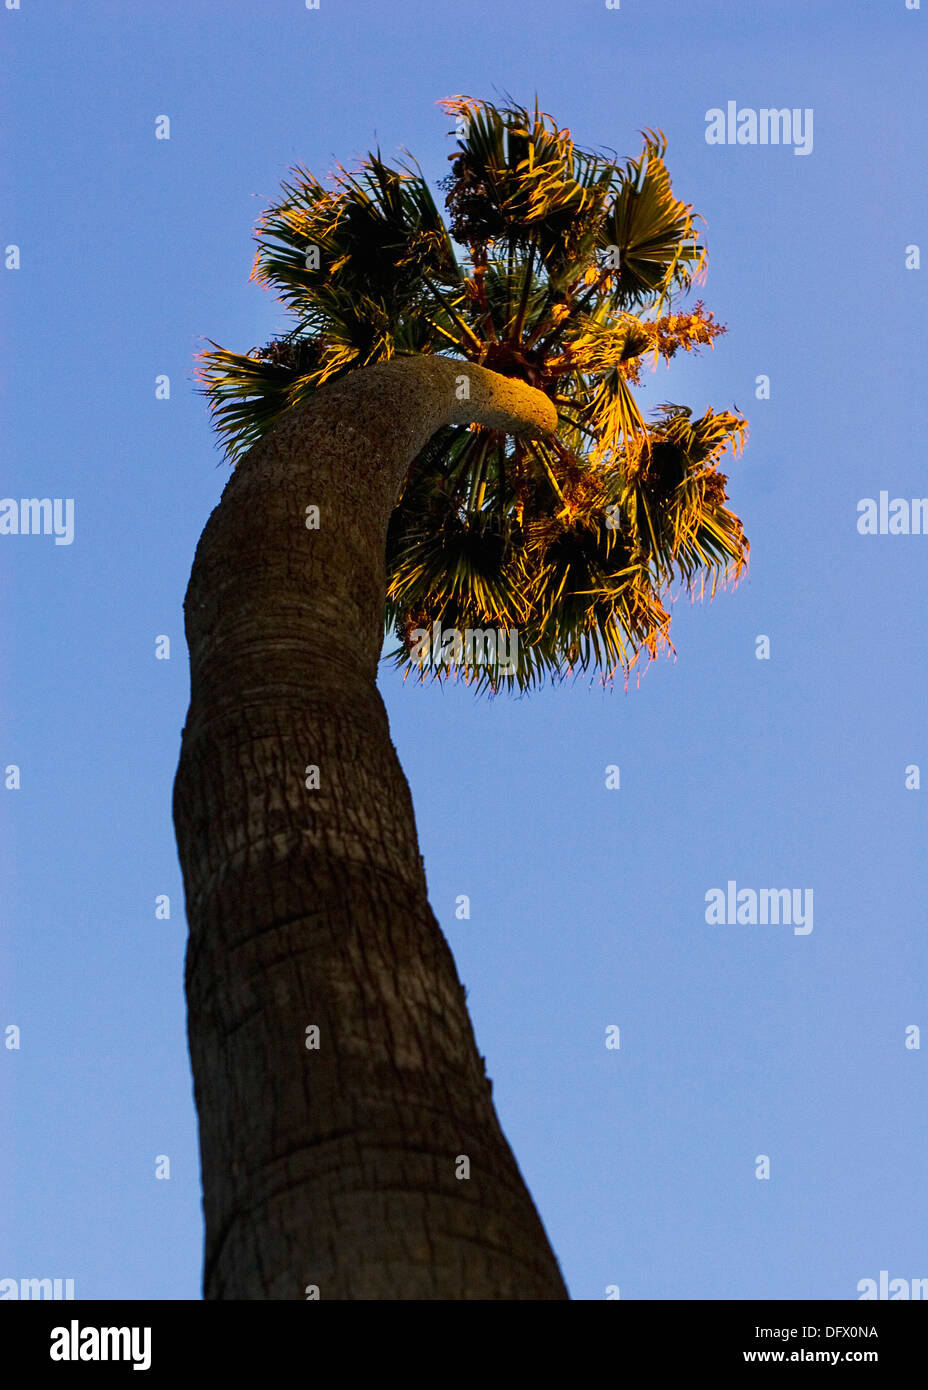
[588, 905]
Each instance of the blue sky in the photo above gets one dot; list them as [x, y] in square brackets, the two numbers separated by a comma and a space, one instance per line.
[588, 904]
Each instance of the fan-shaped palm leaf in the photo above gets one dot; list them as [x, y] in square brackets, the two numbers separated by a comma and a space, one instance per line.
[569, 262]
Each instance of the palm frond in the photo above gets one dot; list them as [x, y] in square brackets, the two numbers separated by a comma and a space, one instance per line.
[571, 262]
[649, 232]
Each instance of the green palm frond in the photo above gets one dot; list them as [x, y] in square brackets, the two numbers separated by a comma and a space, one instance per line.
[248, 394]
[568, 266]
[650, 232]
[375, 236]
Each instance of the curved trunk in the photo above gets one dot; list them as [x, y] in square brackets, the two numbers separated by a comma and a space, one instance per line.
[339, 1165]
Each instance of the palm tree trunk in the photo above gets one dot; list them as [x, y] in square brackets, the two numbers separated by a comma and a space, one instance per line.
[337, 1166]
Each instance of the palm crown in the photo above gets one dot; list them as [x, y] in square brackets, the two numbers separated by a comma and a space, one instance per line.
[570, 264]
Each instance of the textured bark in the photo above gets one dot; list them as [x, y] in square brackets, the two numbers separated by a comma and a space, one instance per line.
[333, 1167]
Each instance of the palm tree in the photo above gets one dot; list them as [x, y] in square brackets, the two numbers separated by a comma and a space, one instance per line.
[446, 441]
